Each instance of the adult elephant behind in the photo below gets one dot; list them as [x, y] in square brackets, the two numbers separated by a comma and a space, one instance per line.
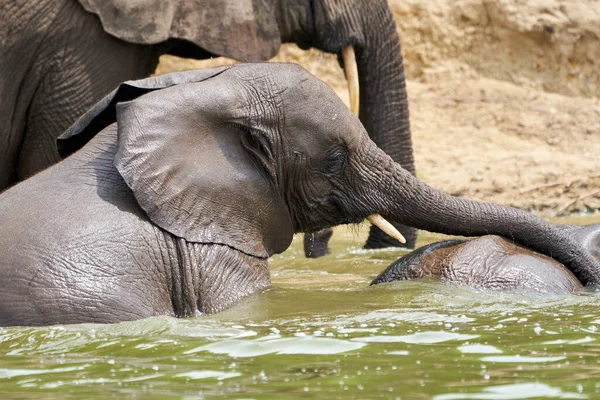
[58, 57]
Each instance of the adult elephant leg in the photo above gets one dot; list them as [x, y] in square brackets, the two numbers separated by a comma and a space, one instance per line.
[10, 140]
[21, 31]
[13, 108]
[85, 64]
[48, 116]
[315, 244]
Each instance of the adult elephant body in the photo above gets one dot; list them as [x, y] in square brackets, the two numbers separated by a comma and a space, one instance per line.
[58, 57]
[181, 186]
[56, 61]
[494, 263]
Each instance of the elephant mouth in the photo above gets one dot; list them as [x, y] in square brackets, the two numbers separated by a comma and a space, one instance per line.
[351, 71]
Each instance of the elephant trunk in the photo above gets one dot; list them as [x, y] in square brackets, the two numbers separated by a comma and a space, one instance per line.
[383, 97]
[416, 204]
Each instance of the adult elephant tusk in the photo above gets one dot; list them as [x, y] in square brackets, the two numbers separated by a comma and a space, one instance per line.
[351, 71]
[386, 227]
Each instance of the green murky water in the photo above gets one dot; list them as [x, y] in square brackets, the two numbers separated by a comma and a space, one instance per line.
[322, 332]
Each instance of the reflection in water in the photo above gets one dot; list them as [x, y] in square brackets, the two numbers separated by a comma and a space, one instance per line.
[294, 345]
[322, 330]
[205, 374]
[479, 349]
[517, 391]
[417, 338]
[521, 359]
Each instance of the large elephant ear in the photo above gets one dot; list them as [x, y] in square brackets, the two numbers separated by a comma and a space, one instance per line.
[198, 172]
[194, 161]
[103, 113]
[245, 30]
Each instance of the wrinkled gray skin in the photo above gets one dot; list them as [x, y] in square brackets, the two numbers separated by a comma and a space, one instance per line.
[182, 185]
[59, 57]
[494, 263]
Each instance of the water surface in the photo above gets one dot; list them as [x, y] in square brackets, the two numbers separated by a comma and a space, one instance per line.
[322, 332]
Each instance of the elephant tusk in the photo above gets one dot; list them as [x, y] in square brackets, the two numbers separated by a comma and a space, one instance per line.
[351, 71]
[386, 227]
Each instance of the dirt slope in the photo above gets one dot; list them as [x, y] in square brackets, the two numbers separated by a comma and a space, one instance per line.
[503, 97]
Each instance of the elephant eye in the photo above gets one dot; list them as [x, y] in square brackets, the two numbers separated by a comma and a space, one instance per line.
[336, 159]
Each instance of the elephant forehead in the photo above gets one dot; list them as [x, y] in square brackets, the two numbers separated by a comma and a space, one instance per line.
[318, 126]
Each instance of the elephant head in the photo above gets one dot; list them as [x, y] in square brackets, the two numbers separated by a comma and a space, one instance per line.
[488, 263]
[494, 263]
[245, 156]
[253, 30]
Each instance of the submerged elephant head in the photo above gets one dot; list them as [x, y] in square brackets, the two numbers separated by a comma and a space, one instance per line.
[246, 156]
[493, 263]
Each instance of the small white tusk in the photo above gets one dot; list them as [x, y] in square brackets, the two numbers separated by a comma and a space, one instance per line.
[351, 71]
[386, 227]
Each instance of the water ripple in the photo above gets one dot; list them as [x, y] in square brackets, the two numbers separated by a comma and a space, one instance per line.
[515, 391]
[417, 338]
[293, 345]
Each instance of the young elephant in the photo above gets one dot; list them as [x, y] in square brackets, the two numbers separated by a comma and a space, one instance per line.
[493, 263]
[59, 57]
[181, 186]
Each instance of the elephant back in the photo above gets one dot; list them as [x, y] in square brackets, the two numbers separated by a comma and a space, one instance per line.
[245, 30]
[103, 113]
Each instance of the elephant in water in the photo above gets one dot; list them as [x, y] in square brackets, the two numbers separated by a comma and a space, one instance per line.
[179, 188]
[59, 57]
[494, 263]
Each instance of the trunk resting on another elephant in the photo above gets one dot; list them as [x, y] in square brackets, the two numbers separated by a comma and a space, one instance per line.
[416, 204]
